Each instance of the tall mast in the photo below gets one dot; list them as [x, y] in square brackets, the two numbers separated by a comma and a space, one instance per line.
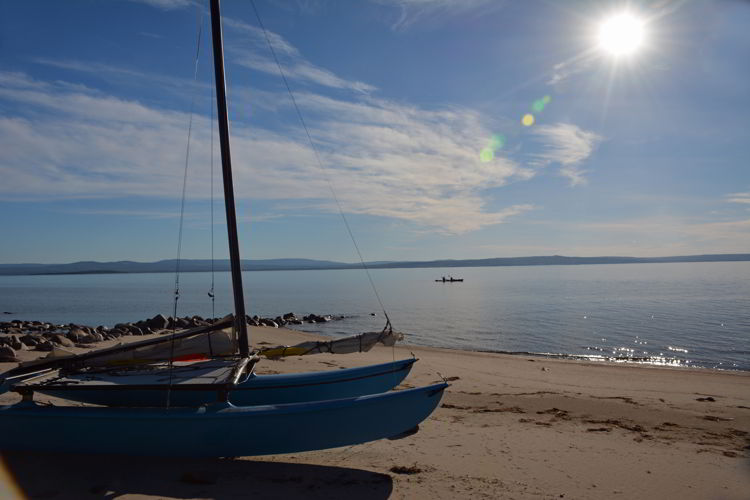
[226, 168]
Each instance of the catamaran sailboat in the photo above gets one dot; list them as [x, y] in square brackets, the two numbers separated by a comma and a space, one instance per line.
[196, 427]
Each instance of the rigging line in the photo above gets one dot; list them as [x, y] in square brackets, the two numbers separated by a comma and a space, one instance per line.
[322, 168]
[212, 293]
[182, 201]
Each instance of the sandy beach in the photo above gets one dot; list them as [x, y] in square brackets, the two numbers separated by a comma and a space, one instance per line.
[508, 427]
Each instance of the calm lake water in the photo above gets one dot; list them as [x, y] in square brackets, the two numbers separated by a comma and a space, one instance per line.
[687, 314]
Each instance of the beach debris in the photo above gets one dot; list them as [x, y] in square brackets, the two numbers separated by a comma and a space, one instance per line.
[706, 399]
[618, 423]
[556, 412]
[455, 407]
[502, 409]
[622, 398]
[714, 418]
[403, 469]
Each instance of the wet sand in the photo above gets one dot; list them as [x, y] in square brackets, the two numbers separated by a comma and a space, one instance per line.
[508, 427]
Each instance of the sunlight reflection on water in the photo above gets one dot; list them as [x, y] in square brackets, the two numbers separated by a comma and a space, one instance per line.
[645, 313]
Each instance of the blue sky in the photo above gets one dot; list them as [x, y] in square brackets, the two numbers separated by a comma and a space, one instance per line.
[415, 107]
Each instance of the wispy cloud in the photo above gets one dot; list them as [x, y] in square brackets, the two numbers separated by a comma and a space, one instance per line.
[120, 75]
[738, 198]
[564, 70]
[167, 4]
[252, 52]
[435, 11]
[567, 145]
[385, 159]
[669, 235]
[142, 214]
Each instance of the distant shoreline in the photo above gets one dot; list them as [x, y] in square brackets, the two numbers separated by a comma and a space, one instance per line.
[203, 265]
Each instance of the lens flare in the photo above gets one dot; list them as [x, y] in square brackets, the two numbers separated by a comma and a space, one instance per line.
[497, 141]
[527, 120]
[486, 155]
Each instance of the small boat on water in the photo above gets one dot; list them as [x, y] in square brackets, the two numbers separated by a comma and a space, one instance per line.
[449, 279]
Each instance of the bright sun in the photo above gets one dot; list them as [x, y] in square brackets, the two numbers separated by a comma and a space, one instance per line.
[621, 34]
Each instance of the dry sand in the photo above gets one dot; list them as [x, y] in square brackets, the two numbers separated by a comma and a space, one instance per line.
[508, 427]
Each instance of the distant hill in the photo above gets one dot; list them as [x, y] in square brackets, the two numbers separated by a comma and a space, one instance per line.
[202, 265]
[560, 260]
[166, 266]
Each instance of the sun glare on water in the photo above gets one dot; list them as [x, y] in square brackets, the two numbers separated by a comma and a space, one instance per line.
[621, 34]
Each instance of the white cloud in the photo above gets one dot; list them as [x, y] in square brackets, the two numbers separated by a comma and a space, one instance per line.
[385, 159]
[567, 145]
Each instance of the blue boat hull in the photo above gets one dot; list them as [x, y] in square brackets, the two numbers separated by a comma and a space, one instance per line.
[256, 390]
[219, 430]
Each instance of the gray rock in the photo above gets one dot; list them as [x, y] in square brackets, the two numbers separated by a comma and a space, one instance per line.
[75, 334]
[7, 354]
[45, 345]
[80, 336]
[158, 322]
[16, 343]
[30, 340]
[61, 340]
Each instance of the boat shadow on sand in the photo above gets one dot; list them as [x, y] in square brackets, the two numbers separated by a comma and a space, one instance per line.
[62, 476]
